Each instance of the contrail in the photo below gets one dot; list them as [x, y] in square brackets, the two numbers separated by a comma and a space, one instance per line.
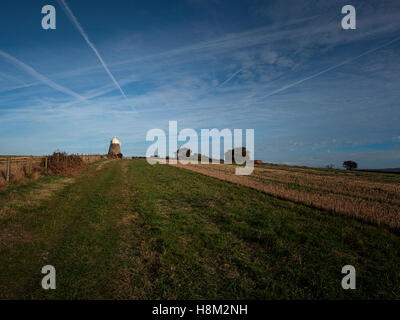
[330, 68]
[231, 77]
[39, 76]
[12, 78]
[91, 45]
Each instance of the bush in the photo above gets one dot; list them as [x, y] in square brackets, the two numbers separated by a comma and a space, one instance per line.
[62, 163]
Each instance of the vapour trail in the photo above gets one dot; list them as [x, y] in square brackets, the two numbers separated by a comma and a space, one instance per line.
[91, 45]
[330, 68]
[231, 77]
[39, 76]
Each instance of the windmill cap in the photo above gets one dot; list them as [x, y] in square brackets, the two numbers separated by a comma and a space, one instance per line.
[115, 141]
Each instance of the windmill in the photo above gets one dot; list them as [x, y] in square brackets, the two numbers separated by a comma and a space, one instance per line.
[115, 148]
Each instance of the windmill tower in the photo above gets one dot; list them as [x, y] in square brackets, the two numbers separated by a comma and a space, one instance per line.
[115, 148]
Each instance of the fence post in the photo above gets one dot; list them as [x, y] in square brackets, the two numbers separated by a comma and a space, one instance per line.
[45, 164]
[30, 165]
[8, 169]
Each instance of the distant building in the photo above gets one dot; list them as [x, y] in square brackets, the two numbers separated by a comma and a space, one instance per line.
[115, 148]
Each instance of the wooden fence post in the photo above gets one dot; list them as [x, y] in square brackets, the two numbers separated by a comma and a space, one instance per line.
[30, 165]
[45, 164]
[8, 169]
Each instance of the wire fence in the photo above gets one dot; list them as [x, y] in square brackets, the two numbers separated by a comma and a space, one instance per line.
[12, 166]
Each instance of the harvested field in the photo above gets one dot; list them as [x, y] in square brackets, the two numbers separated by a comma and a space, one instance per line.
[371, 197]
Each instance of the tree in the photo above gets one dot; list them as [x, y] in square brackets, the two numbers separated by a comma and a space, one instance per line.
[183, 153]
[230, 154]
[349, 165]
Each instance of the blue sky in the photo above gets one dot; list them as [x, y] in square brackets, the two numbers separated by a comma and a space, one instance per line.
[314, 93]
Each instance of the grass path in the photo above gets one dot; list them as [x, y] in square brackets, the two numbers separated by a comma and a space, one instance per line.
[128, 230]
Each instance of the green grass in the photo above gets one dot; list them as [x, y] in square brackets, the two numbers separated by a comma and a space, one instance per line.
[21, 190]
[135, 231]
